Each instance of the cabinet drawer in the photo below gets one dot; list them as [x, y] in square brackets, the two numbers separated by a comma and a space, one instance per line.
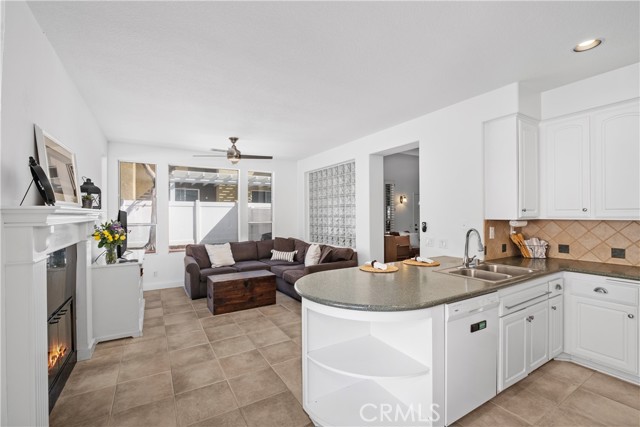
[606, 290]
[514, 302]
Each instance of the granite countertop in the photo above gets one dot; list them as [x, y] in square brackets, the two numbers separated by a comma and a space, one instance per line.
[412, 288]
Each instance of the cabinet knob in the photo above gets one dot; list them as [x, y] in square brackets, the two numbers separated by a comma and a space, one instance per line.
[630, 316]
[601, 290]
[584, 209]
[553, 307]
[558, 287]
[524, 209]
[530, 319]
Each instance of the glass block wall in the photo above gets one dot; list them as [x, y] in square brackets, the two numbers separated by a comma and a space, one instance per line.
[332, 205]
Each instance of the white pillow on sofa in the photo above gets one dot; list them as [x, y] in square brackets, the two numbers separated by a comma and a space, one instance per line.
[313, 255]
[220, 255]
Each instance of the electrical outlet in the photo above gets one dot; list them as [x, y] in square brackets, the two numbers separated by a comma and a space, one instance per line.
[563, 249]
[429, 243]
[618, 253]
[504, 247]
[492, 232]
[443, 244]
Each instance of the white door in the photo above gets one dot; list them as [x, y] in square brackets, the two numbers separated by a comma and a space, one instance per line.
[556, 326]
[512, 358]
[566, 145]
[617, 161]
[604, 332]
[528, 188]
[538, 335]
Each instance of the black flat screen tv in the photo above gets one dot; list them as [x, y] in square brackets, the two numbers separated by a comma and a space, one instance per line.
[122, 219]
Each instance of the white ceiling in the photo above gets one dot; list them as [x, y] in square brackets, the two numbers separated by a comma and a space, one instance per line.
[295, 78]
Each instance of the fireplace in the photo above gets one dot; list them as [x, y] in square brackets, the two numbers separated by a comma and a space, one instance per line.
[61, 319]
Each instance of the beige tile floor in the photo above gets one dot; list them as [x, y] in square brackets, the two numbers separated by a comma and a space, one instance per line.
[193, 369]
[561, 394]
[243, 369]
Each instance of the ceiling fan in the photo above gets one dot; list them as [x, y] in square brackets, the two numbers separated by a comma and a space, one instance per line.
[232, 153]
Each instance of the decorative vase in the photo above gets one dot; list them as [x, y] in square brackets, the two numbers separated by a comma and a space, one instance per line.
[110, 256]
[87, 203]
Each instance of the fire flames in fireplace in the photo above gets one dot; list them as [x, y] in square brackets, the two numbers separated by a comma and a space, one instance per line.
[56, 354]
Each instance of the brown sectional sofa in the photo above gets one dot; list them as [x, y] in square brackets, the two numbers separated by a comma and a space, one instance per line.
[254, 255]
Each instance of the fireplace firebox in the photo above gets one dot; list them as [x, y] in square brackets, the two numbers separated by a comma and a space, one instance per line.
[61, 320]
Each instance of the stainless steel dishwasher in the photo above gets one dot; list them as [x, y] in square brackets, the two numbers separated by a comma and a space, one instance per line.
[471, 354]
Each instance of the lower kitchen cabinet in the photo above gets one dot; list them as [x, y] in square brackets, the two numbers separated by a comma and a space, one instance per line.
[601, 324]
[524, 343]
[556, 326]
[604, 332]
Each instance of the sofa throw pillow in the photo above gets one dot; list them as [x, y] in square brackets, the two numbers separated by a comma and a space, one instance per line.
[282, 256]
[313, 255]
[220, 255]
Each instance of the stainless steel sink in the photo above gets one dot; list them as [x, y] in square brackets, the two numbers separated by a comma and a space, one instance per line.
[505, 269]
[493, 273]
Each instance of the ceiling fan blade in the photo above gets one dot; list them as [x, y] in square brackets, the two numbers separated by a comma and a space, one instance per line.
[248, 156]
[219, 150]
[211, 155]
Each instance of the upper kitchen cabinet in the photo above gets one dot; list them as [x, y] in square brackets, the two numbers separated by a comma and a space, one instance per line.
[616, 148]
[567, 151]
[511, 168]
[591, 163]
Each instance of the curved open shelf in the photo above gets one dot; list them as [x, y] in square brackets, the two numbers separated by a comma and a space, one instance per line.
[367, 357]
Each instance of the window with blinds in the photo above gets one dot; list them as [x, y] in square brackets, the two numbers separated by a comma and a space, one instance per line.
[332, 205]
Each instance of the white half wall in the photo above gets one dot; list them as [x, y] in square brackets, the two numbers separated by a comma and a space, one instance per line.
[451, 171]
[37, 89]
[606, 88]
[164, 269]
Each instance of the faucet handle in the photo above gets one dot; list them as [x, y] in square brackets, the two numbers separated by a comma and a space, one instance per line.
[472, 262]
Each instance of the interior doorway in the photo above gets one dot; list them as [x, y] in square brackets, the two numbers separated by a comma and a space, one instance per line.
[401, 202]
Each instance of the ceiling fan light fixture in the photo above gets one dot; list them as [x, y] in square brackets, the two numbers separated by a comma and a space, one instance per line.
[587, 45]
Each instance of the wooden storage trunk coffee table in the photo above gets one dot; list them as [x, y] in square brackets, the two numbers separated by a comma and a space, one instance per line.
[239, 291]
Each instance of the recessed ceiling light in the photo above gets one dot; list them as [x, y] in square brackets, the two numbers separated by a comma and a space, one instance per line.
[587, 45]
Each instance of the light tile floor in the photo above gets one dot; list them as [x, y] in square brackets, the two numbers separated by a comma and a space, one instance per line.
[243, 369]
[561, 394]
[193, 369]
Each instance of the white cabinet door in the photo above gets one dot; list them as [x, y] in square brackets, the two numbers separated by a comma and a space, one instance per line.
[604, 332]
[528, 177]
[512, 358]
[566, 146]
[556, 326]
[616, 133]
[511, 174]
[538, 335]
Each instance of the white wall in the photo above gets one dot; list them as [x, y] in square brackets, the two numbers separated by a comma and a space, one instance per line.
[164, 269]
[607, 88]
[402, 170]
[451, 170]
[37, 89]
[3, 395]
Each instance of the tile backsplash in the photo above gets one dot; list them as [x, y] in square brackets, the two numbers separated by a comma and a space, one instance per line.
[613, 242]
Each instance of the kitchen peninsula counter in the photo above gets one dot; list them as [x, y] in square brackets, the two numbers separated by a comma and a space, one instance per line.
[413, 288]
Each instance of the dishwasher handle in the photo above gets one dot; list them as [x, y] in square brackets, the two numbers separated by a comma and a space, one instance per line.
[509, 307]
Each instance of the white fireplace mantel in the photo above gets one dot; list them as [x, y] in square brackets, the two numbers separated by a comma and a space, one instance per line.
[29, 234]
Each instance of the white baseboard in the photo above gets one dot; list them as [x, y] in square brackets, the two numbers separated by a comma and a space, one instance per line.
[160, 285]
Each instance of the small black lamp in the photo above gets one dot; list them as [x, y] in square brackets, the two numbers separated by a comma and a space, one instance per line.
[90, 189]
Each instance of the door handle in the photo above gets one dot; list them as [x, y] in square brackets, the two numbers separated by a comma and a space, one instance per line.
[601, 290]
[424, 227]
[530, 319]
[630, 316]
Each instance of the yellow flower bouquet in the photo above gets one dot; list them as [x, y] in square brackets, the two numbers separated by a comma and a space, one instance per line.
[110, 235]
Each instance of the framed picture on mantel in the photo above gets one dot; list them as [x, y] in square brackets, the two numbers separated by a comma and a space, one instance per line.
[59, 163]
